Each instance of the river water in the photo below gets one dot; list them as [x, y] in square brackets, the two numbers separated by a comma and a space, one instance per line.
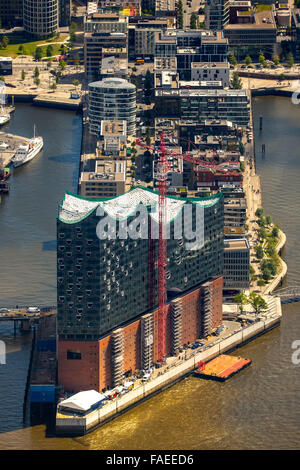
[257, 409]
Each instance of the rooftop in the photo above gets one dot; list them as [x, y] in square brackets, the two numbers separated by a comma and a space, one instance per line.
[75, 208]
[238, 244]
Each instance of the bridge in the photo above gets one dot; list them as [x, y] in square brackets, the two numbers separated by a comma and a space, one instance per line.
[24, 319]
[288, 294]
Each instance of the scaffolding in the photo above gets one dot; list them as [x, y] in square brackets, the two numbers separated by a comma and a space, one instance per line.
[147, 341]
[176, 317]
[117, 356]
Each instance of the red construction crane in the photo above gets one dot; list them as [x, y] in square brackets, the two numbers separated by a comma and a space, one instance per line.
[163, 168]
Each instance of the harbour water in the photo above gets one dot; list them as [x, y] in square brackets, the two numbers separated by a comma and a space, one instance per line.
[257, 409]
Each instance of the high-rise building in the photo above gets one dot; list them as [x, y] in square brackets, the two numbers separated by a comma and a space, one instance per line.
[64, 12]
[11, 12]
[216, 14]
[41, 17]
[107, 287]
[112, 99]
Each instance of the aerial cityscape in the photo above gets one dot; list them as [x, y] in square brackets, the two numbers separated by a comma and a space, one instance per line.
[149, 221]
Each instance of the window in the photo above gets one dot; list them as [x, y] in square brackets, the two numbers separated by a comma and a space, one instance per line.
[73, 354]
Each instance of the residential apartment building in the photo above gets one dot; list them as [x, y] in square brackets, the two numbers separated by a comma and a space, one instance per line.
[107, 180]
[11, 12]
[216, 14]
[41, 17]
[112, 99]
[236, 273]
[211, 71]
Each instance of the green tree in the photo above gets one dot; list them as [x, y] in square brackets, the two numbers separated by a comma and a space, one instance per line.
[262, 233]
[281, 77]
[233, 60]
[179, 15]
[290, 60]
[49, 51]
[276, 60]
[275, 232]
[241, 147]
[37, 81]
[259, 212]
[4, 42]
[235, 82]
[148, 136]
[62, 65]
[261, 221]
[23, 75]
[268, 219]
[259, 251]
[248, 60]
[53, 86]
[242, 300]
[253, 276]
[49, 64]
[262, 59]
[21, 48]
[76, 84]
[193, 21]
[257, 302]
[261, 282]
[38, 53]
[36, 72]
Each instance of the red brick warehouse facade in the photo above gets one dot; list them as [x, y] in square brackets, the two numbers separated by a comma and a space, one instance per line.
[85, 365]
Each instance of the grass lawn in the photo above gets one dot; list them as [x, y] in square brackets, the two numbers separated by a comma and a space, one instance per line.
[260, 8]
[12, 49]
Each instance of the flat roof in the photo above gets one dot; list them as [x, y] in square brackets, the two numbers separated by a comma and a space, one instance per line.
[237, 244]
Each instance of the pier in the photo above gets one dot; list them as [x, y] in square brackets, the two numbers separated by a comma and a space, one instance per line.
[24, 320]
[13, 142]
[75, 424]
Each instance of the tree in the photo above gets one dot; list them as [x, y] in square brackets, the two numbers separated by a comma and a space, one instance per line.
[281, 77]
[36, 72]
[23, 75]
[49, 51]
[37, 81]
[179, 15]
[76, 84]
[290, 60]
[248, 60]
[275, 232]
[62, 65]
[259, 212]
[262, 233]
[21, 48]
[53, 86]
[262, 59]
[193, 21]
[49, 64]
[276, 60]
[253, 276]
[257, 302]
[233, 60]
[4, 42]
[38, 53]
[241, 147]
[268, 219]
[259, 251]
[148, 136]
[235, 82]
[242, 300]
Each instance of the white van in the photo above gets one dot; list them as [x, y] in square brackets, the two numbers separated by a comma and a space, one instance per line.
[33, 310]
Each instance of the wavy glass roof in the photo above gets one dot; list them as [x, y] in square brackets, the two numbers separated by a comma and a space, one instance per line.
[75, 208]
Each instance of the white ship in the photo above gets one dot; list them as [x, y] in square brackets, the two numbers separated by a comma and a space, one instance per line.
[4, 118]
[27, 151]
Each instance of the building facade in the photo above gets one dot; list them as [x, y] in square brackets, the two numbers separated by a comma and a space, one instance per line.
[107, 288]
[112, 99]
[11, 12]
[236, 274]
[41, 17]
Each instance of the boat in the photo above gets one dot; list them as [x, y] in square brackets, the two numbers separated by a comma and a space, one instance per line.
[27, 151]
[4, 174]
[3, 145]
[4, 118]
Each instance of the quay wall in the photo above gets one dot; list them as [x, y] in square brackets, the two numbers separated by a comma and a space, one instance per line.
[85, 424]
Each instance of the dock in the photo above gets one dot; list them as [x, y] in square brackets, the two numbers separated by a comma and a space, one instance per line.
[13, 142]
[222, 367]
[78, 425]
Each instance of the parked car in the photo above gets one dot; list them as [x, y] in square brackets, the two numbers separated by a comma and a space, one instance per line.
[195, 345]
[4, 310]
[112, 396]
